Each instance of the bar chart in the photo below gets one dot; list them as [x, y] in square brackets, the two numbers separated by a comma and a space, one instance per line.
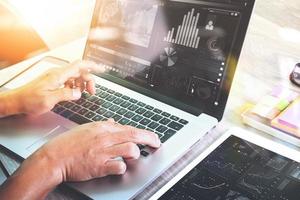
[186, 34]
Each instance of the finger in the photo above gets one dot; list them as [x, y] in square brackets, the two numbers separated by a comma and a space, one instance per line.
[137, 136]
[76, 69]
[127, 150]
[115, 167]
[70, 83]
[67, 94]
[80, 84]
[89, 81]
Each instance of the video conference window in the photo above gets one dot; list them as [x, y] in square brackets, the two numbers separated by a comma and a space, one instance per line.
[178, 50]
[239, 170]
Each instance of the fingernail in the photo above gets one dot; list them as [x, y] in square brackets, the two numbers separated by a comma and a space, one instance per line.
[76, 93]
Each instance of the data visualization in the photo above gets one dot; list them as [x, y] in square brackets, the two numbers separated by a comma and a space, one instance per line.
[177, 51]
[186, 34]
[239, 170]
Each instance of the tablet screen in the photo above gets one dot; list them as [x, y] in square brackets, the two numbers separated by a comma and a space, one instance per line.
[239, 170]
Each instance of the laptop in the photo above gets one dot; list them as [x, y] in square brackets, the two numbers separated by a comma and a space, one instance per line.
[170, 72]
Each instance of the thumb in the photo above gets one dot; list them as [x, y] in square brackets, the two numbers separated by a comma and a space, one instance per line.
[67, 94]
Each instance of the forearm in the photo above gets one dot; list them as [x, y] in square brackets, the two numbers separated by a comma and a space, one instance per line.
[10, 103]
[33, 180]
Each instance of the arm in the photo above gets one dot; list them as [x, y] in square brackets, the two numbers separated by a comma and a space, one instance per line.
[87, 152]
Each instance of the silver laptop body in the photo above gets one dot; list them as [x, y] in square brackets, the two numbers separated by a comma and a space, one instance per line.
[176, 56]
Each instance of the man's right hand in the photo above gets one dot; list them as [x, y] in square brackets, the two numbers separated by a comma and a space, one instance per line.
[84, 153]
[90, 151]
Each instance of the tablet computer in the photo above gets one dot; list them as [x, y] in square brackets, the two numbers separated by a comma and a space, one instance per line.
[239, 166]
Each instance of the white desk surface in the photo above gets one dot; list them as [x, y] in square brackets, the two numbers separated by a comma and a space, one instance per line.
[271, 49]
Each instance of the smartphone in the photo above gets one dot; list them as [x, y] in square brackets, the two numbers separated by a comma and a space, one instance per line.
[33, 71]
[295, 75]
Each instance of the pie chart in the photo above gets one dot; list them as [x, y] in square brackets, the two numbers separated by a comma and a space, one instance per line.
[169, 57]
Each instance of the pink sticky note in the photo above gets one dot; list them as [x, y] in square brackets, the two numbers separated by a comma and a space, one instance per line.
[291, 116]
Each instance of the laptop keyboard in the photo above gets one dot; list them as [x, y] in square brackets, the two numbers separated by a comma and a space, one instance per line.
[107, 103]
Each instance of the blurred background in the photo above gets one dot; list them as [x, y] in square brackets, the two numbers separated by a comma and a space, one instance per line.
[30, 27]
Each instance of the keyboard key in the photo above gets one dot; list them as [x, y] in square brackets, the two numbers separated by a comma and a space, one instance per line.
[85, 95]
[103, 95]
[110, 98]
[129, 114]
[125, 97]
[97, 118]
[124, 121]
[58, 109]
[103, 88]
[99, 102]
[83, 111]
[90, 115]
[175, 126]
[133, 101]
[121, 111]
[80, 101]
[76, 108]
[131, 123]
[111, 91]
[157, 111]
[141, 146]
[133, 107]
[107, 105]
[145, 121]
[165, 137]
[141, 104]
[97, 86]
[108, 114]
[114, 108]
[79, 119]
[182, 121]
[141, 127]
[174, 118]
[118, 101]
[156, 118]
[117, 94]
[67, 114]
[125, 104]
[161, 129]
[153, 125]
[117, 117]
[87, 104]
[164, 121]
[69, 105]
[165, 114]
[101, 111]
[94, 107]
[137, 118]
[149, 107]
[148, 114]
[140, 111]
[93, 99]
[170, 132]
[144, 153]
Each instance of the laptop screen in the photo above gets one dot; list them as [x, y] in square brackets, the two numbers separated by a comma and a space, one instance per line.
[181, 52]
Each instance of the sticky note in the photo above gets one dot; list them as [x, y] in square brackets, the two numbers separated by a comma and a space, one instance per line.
[289, 120]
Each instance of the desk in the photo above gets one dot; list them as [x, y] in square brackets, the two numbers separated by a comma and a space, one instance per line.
[271, 49]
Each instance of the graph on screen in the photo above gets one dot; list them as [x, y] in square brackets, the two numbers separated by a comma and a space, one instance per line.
[186, 33]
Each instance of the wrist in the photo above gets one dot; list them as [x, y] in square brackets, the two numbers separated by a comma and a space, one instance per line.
[11, 103]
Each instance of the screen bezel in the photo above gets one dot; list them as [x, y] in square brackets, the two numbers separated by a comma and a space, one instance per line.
[232, 62]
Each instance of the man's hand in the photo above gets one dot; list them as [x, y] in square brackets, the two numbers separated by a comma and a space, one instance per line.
[86, 152]
[89, 151]
[59, 84]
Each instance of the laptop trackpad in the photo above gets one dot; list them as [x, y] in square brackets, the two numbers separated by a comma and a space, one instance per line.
[45, 138]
